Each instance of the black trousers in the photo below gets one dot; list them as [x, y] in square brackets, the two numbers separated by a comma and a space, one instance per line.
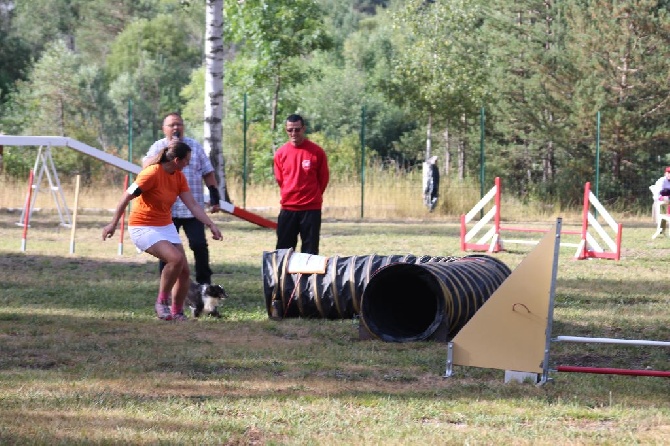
[307, 224]
[197, 241]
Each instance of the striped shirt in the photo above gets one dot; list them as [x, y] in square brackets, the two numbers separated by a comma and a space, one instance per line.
[199, 166]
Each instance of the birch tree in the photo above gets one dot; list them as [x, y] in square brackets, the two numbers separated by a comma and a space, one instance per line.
[213, 130]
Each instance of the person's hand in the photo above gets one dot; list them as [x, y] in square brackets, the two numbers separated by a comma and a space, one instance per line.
[108, 231]
[215, 232]
[215, 208]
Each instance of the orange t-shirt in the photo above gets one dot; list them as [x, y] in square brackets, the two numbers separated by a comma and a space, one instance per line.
[159, 192]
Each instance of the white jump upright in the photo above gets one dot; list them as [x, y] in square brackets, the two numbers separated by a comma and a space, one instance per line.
[590, 245]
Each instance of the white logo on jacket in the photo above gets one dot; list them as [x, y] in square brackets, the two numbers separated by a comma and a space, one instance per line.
[306, 164]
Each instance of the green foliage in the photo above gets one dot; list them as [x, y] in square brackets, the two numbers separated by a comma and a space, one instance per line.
[564, 65]
[344, 155]
[410, 147]
[17, 162]
[386, 128]
[340, 21]
[238, 80]
[14, 60]
[317, 103]
[254, 25]
[260, 144]
[371, 47]
[542, 76]
[145, 108]
[52, 91]
[149, 63]
[99, 24]
[333, 102]
[193, 98]
[39, 22]
[441, 62]
[259, 152]
[624, 49]
[162, 39]
[60, 98]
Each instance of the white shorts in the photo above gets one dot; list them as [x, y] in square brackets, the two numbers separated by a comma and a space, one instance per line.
[144, 237]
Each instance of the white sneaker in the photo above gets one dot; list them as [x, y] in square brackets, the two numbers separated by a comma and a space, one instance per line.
[163, 311]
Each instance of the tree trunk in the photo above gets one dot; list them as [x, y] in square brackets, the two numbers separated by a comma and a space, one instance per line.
[546, 163]
[548, 156]
[527, 162]
[461, 150]
[61, 116]
[275, 106]
[429, 132]
[213, 130]
[447, 150]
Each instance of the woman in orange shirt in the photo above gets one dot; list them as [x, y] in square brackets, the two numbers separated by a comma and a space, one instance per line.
[150, 223]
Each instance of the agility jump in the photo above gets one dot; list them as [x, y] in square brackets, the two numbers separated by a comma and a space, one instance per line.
[512, 331]
[588, 247]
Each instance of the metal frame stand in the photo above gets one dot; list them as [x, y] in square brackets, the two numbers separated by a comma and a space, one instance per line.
[44, 165]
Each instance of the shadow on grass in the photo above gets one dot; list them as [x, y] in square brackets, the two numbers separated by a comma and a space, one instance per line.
[96, 317]
[55, 282]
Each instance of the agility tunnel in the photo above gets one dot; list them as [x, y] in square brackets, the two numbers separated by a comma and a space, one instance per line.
[398, 298]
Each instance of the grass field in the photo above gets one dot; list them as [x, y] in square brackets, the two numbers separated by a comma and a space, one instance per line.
[84, 361]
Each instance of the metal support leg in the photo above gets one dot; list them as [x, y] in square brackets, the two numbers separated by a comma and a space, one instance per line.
[450, 360]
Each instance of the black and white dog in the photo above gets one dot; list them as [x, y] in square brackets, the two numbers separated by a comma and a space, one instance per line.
[205, 298]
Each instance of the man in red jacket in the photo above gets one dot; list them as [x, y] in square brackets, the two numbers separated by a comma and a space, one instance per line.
[301, 170]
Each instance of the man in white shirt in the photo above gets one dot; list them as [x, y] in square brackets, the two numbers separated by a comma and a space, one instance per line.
[199, 169]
